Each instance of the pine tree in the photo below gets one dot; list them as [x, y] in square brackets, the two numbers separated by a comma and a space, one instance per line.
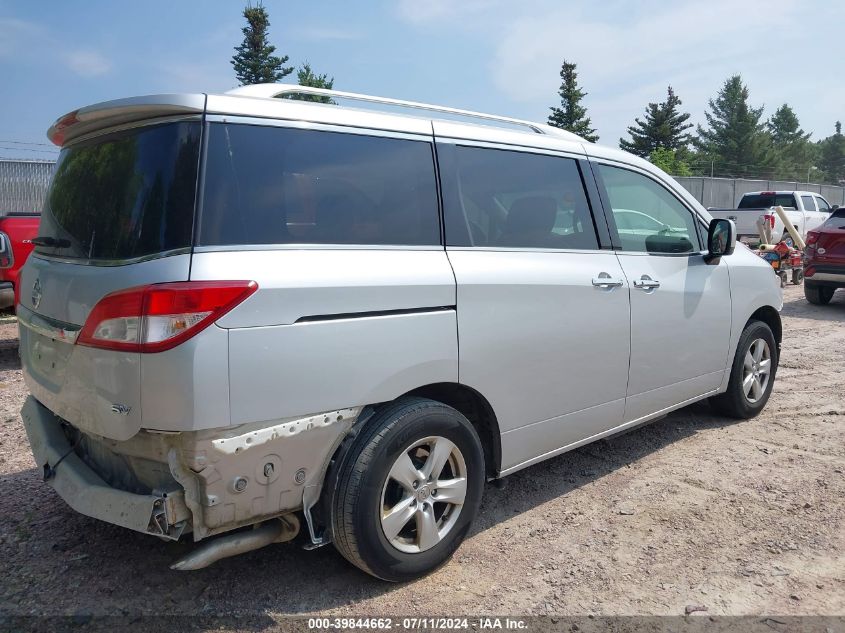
[663, 126]
[735, 140]
[254, 62]
[669, 161]
[572, 115]
[784, 127]
[832, 156]
[790, 143]
[307, 77]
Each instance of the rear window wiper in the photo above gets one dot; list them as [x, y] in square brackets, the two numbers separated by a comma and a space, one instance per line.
[51, 242]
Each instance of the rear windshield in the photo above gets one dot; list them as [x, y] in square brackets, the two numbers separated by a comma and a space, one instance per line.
[836, 220]
[766, 200]
[124, 195]
[272, 185]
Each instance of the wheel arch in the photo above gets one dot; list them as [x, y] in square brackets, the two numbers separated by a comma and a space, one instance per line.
[771, 317]
[469, 402]
[475, 408]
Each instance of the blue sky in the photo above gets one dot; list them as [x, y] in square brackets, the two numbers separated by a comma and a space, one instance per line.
[492, 55]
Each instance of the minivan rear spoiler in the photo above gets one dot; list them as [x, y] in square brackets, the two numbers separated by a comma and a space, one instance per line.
[120, 112]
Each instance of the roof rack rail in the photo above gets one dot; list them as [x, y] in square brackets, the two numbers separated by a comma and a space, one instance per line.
[270, 91]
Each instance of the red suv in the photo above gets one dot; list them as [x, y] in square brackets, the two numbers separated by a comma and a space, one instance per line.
[824, 267]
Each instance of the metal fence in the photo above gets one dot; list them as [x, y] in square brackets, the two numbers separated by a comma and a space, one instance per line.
[23, 185]
[726, 192]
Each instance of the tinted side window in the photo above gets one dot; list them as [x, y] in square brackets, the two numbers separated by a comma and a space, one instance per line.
[809, 205]
[516, 199]
[269, 185]
[648, 218]
[823, 205]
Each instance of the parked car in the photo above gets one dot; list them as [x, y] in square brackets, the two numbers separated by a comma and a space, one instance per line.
[824, 267]
[805, 209]
[16, 231]
[295, 312]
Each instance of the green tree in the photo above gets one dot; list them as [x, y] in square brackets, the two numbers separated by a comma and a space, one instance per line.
[254, 62]
[790, 143]
[663, 126]
[572, 115]
[735, 140]
[832, 156]
[669, 161]
[307, 77]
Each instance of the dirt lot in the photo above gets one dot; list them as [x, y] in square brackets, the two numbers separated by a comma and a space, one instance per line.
[741, 518]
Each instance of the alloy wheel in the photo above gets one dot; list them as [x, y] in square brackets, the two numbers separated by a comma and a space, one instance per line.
[423, 494]
[757, 370]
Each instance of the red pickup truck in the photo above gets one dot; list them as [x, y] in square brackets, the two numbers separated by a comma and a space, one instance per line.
[16, 230]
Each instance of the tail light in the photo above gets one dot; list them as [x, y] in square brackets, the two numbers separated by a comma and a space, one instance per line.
[159, 317]
[812, 238]
[5, 251]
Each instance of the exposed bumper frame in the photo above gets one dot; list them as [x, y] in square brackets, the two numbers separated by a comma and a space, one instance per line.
[279, 466]
[83, 490]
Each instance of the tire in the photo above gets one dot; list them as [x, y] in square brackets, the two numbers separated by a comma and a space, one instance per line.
[797, 276]
[743, 399]
[818, 295]
[397, 444]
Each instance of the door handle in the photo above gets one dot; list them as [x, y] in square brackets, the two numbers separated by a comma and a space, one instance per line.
[606, 281]
[646, 283]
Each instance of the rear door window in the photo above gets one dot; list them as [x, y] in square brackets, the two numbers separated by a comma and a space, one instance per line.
[274, 185]
[515, 199]
[809, 205]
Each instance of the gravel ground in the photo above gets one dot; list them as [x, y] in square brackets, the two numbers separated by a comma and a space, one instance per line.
[739, 518]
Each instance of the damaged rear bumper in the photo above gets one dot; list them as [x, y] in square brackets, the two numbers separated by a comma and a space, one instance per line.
[164, 515]
[204, 482]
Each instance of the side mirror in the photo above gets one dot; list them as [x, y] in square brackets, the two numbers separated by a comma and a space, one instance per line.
[721, 239]
[834, 207]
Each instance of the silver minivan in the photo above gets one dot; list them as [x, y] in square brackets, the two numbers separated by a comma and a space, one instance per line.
[247, 314]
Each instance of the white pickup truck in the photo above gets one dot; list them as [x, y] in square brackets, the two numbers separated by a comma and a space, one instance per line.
[806, 210]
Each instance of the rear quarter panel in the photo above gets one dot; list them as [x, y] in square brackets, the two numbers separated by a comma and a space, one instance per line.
[334, 328]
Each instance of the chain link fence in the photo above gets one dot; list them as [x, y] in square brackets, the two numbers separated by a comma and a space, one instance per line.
[23, 185]
[724, 193]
